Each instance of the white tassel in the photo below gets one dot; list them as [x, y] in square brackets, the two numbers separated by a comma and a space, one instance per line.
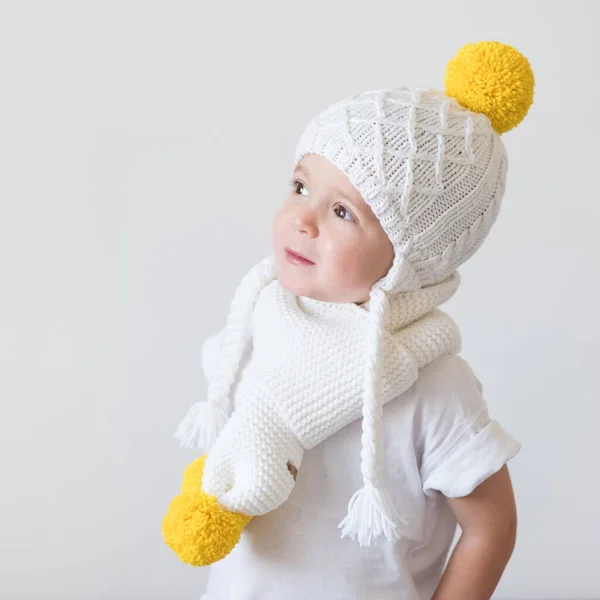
[201, 426]
[371, 514]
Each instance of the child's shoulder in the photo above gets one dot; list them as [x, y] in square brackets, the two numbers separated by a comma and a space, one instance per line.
[456, 442]
[445, 401]
[447, 382]
[447, 390]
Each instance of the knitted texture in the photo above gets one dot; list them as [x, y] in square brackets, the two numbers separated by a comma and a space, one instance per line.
[309, 357]
[432, 172]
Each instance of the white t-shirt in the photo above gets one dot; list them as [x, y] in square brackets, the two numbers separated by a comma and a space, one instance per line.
[439, 441]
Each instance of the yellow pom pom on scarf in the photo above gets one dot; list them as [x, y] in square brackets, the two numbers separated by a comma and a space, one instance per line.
[195, 527]
[493, 79]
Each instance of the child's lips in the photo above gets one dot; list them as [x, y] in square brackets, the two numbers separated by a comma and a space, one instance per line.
[297, 259]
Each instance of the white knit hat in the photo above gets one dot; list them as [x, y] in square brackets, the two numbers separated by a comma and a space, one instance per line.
[432, 172]
[432, 167]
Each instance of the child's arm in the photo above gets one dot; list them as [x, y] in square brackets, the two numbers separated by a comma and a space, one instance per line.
[488, 519]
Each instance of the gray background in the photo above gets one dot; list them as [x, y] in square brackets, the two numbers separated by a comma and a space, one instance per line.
[144, 147]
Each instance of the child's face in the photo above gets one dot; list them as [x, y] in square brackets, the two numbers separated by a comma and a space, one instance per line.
[326, 220]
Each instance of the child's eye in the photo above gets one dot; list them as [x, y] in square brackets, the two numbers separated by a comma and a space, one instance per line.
[346, 215]
[299, 189]
[296, 186]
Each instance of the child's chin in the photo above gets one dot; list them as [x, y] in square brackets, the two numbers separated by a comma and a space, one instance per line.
[293, 285]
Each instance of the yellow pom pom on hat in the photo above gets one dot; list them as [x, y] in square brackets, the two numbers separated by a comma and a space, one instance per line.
[493, 79]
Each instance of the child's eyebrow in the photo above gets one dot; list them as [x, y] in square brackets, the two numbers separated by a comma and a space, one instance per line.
[301, 169]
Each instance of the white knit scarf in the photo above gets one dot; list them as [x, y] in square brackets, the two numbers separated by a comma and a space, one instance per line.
[318, 366]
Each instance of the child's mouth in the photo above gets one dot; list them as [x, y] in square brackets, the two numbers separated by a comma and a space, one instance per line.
[297, 259]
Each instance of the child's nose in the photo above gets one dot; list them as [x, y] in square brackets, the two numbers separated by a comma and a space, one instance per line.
[305, 222]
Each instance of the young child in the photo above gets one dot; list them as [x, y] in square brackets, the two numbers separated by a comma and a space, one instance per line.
[392, 191]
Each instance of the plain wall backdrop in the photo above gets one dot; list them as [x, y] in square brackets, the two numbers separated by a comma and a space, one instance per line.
[144, 149]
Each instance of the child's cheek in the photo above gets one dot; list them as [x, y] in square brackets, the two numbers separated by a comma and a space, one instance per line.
[348, 263]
